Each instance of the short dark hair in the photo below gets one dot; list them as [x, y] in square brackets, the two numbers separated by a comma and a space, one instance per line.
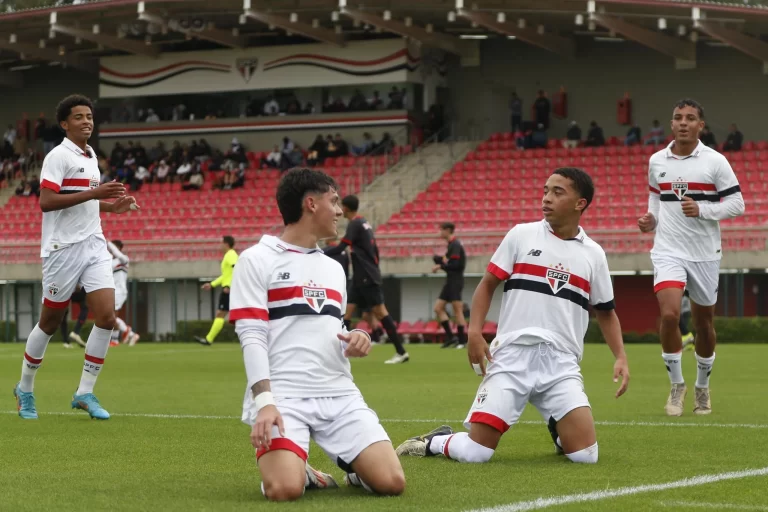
[450, 226]
[293, 188]
[229, 240]
[689, 102]
[582, 182]
[118, 244]
[65, 106]
[351, 202]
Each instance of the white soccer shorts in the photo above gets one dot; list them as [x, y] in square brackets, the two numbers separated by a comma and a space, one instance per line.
[342, 426]
[120, 297]
[548, 379]
[700, 277]
[87, 263]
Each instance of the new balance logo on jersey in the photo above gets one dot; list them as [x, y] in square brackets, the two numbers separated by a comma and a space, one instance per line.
[662, 175]
[283, 276]
[315, 297]
[679, 189]
[557, 278]
[82, 169]
[534, 252]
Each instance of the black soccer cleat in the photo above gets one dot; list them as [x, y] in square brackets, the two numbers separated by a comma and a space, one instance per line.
[451, 342]
[552, 427]
[202, 340]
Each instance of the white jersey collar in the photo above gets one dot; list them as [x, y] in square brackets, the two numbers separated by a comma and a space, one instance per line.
[578, 238]
[278, 245]
[696, 152]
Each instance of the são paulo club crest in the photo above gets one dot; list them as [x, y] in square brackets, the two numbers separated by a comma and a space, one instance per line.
[679, 188]
[247, 67]
[315, 296]
[481, 397]
[53, 289]
[557, 277]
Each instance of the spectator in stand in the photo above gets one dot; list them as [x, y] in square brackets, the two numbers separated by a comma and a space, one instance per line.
[142, 175]
[127, 171]
[342, 148]
[317, 152]
[175, 155]
[287, 148]
[375, 102]
[162, 171]
[595, 136]
[152, 117]
[10, 135]
[194, 181]
[156, 153]
[707, 137]
[205, 150]
[178, 113]
[656, 135]
[357, 101]
[542, 108]
[539, 137]
[41, 125]
[186, 166]
[309, 108]
[51, 138]
[272, 160]
[516, 112]
[29, 187]
[293, 158]
[572, 136]
[235, 157]
[396, 99]
[330, 146]
[734, 140]
[271, 106]
[385, 146]
[634, 135]
[367, 145]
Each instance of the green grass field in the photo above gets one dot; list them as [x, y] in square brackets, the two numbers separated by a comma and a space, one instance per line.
[175, 441]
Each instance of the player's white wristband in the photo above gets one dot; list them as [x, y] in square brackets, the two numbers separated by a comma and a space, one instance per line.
[477, 369]
[264, 399]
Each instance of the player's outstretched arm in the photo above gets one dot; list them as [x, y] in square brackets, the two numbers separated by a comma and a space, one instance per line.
[51, 200]
[611, 329]
[477, 348]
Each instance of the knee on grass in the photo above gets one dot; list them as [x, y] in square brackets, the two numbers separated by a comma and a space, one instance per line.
[282, 491]
[389, 484]
[586, 456]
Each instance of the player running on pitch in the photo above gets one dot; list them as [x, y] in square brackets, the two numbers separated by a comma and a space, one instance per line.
[552, 272]
[692, 188]
[120, 263]
[287, 303]
[74, 251]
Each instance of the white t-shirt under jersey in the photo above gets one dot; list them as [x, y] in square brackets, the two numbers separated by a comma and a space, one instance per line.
[549, 286]
[67, 169]
[705, 176]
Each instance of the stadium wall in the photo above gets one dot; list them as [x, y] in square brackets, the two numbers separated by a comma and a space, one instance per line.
[728, 83]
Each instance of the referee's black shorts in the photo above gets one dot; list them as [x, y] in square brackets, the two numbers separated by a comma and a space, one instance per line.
[223, 301]
[451, 291]
[366, 297]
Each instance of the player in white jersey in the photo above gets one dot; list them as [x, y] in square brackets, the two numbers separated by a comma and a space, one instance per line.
[74, 252]
[286, 300]
[692, 188]
[120, 264]
[552, 272]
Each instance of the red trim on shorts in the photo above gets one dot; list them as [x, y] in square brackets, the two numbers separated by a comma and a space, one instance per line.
[498, 272]
[55, 305]
[668, 284]
[490, 420]
[94, 360]
[445, 448]
[51, 185]
[282, 443]
[32, 359]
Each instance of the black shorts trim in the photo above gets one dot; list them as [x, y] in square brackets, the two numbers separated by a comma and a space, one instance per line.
[223, 301]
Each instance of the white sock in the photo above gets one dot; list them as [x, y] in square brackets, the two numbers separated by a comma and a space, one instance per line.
[95, 352]
[358, 482]
[674, 367]
[703, 369]
[33, 358]
[585, 456]
[461, 448]
[121, 325]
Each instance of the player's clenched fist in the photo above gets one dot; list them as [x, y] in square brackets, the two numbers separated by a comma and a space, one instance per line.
[478, 351]
[647, 222]
[358, 344]
[109, 190]
[690, 207]
[261, 434]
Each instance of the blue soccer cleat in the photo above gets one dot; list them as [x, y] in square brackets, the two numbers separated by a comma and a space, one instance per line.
[88, 402]
[25, 403]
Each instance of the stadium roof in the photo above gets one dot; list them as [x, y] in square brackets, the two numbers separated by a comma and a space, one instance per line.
[77, 32]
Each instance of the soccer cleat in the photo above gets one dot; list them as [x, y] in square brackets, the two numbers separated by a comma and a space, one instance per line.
[73, 336]
[114, 343]
[67, 345]
[419, 446]
[689, 342]
[397, 359]
[134, 340]
[450, 343]
[202, 340]
[319, 480]
[702, 403]
[25, 403]
[460, 345]
[676, 400]
[552, 427]
[88, 402]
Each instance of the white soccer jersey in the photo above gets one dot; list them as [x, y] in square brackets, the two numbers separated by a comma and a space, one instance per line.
[292, 299]
[67, 169]
[705, 176]
[120, 263]
[549, 285]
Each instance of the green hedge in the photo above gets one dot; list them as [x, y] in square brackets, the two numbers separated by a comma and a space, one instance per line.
[728, 329]
[12, 331]
[185, 331]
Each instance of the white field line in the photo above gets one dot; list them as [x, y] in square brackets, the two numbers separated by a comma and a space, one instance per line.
[431, 421]
[715, 506]
[553, 501]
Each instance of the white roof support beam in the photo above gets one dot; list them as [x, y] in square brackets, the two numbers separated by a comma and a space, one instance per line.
[684, 52]
[444, 42]
[40, 52]
[553, 43]
[108, 41]
[745, 44]
[297, 27]
[209, 33]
